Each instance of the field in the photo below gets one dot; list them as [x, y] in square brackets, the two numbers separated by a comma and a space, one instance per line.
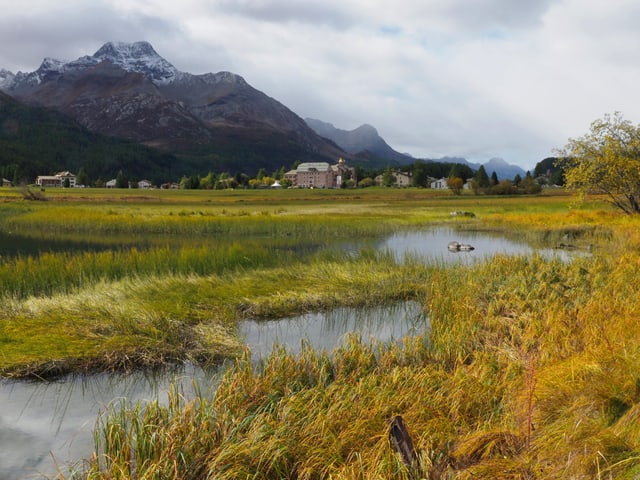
[531, 368]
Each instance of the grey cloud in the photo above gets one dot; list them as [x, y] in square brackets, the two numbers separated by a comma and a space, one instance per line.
[282, 11]
[68, 33]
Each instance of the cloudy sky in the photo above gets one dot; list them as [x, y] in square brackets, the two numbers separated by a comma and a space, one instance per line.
[471, 78]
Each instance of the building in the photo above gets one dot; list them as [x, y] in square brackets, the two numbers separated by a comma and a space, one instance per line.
[402, 179]
[439, 184]
[60, 179]
[320, 175]
[6, 183]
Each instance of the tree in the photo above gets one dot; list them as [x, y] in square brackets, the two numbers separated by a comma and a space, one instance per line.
[207, 182]
[121, 180]
[460, 170]
[481, 177]
[420, 175]
[388, 178]
[607, 161]
[517, 179]
[82, 178]
[455, 184]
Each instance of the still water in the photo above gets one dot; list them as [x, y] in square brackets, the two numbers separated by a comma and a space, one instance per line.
[432, 245]
[40, 422]
[43, 421]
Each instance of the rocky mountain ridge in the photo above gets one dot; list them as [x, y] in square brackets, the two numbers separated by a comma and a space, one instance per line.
[364, 138]
[128, 90]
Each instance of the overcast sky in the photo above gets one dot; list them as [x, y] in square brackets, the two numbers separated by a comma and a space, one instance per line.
[471, 78]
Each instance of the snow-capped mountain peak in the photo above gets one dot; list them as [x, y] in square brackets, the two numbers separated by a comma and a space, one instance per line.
[6, 78]
[137, 57]
[51, 65]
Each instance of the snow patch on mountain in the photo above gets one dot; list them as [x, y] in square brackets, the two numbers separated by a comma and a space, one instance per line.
[139, 57]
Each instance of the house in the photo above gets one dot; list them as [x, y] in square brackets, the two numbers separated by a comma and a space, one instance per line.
[60, 179]
[320, 174]
[111, 183]
[6, 183]
[439, 184]
[403, 179]
[145, 184]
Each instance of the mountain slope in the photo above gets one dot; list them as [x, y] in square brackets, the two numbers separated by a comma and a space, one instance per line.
[363, 139]
[40, 141]
[128, 90]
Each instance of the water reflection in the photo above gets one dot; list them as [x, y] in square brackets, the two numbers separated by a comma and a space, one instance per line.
[432, 244]
[38, 420]
[326, 330]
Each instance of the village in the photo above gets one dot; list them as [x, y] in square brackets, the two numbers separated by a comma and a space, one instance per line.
[306, 175]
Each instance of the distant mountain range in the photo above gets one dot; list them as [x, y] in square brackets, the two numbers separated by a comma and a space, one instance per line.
[364, 142]
[208, 122]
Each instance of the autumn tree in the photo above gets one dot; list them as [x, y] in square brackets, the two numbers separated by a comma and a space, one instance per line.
[606, 161]
[455, 184]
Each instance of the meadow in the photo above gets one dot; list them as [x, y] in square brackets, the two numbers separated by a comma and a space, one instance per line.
[531, 368]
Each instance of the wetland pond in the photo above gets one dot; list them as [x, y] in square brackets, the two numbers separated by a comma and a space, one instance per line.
[40, 422]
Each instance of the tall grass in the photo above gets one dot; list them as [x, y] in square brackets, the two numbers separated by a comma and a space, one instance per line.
[146, 320]
[530, 371]
[52, 273]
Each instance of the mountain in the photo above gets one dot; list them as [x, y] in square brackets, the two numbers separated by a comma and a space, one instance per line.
[365, 142]
[216, 119]
[504, 170]
[40, 141]
[362, 141]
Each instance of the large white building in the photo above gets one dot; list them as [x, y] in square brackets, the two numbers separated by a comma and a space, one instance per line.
[60, 179]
